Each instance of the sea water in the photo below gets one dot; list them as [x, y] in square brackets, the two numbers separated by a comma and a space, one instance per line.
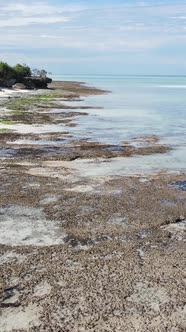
[136, 106]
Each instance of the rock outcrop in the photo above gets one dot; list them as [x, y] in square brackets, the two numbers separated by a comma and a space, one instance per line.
[32, 82]
[37, 82]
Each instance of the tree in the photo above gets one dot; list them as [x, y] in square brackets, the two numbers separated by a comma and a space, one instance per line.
[17, 72]
[40, 73]
[22, 71]
[22, 74]
[6, 71]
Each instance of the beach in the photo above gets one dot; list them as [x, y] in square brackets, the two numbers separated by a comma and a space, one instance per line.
[92, 230]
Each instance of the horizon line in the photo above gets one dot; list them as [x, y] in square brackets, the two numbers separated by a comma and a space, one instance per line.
[131, 75]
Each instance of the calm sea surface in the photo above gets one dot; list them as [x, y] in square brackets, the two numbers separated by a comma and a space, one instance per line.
[137, 106]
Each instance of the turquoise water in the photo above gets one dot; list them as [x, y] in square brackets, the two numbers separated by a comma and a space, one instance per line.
[137, 106]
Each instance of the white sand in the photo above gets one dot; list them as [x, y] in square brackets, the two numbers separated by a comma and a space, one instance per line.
[4, 92]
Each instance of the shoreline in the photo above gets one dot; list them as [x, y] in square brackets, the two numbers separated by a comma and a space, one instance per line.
[81, 252]
[45, 108]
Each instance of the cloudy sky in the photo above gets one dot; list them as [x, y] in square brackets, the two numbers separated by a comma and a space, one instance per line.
[95, 36]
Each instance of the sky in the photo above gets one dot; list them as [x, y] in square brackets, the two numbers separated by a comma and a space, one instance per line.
[95, 36]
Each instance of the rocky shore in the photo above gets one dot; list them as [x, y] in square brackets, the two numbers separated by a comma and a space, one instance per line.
[81, 253]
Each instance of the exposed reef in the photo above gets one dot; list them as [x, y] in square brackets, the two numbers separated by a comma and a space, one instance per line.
[77, 252]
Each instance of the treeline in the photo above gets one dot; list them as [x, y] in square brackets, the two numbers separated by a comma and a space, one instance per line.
[10, 75]
[19, 71]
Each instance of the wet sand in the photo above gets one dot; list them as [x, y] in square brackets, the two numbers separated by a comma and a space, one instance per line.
[79, 252]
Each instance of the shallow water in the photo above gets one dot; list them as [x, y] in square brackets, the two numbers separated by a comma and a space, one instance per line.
[137, 165]
[7, 153]
[180, 185]
[34, 129]
[37, 142]
[137, 106]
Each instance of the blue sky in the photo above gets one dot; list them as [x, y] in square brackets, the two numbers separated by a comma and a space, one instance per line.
[95, 37]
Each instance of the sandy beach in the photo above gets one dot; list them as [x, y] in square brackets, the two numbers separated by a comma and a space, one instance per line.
[83, 249]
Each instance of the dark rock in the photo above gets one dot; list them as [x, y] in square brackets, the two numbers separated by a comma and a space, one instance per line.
[11, 298]
[7, 83]
[11, 82]
[75, 241]
[37, 82]
[27, 82]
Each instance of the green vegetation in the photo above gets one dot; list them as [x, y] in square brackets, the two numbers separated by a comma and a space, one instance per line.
[23, 104]
[6, 122]
[10, 75]
[51, 95]
[6, 71]
[17, 72]
[22, 71]
[2, 130]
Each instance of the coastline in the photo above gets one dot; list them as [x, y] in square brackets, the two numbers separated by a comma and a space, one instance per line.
[48, 108]
[79, 252]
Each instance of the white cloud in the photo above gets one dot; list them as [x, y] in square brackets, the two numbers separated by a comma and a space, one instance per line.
[89, 28]
[181, 17]
[17, 22]
[24, 13]
[37, 8]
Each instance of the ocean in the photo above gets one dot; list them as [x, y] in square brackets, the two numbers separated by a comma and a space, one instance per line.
[137, 106]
